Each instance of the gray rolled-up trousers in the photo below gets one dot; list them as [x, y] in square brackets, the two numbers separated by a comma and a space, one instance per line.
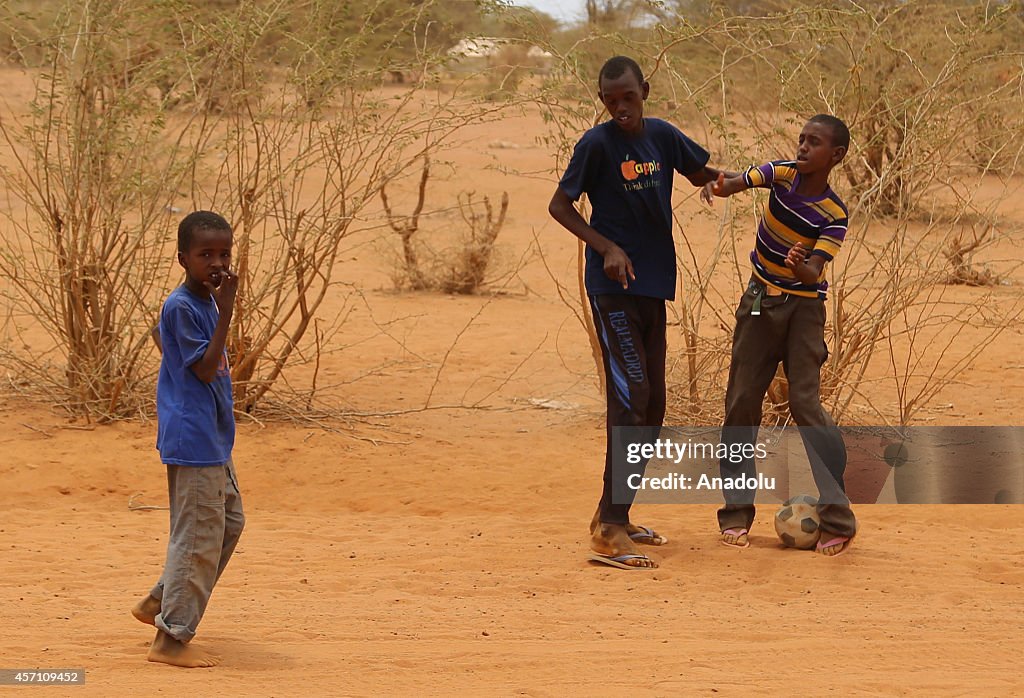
[206, 522]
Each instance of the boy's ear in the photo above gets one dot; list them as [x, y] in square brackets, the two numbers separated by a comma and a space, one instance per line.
[838, 153]
[181, 260]
[646, 89]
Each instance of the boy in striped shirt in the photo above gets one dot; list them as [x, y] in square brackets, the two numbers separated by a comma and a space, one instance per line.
[781, 318]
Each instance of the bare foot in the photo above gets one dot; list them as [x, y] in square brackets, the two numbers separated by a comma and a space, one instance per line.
[169, 651]
[735, 538]
[639, 534]
[146, 611]
[611, 541]
[831, 545]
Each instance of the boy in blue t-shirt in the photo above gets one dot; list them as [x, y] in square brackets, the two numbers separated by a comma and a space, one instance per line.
[625, 166]
[195, 435]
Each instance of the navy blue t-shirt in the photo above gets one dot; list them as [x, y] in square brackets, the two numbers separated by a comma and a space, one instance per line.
[195, 420]
[629, 182]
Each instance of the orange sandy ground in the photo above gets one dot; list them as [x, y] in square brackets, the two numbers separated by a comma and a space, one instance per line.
[444, 551]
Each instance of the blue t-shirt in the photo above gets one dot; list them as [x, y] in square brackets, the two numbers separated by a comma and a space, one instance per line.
[195, 420]
[629, 182]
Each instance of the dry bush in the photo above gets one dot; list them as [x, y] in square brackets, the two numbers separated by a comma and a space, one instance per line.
[98, 159]
[468, 265]
[925, 86]
[297, 181]
[911, 79]
[960, 253]
[279, 124]
[508, 69]
[462, 268]
[410, 273]
[24, 32]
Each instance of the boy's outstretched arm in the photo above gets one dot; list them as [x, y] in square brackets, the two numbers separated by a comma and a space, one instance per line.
[706, 179]
[703, 176]
[726, 184]
[617, 265]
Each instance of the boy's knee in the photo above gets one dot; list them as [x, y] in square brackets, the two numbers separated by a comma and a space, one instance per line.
[656, 403]
[636, 411]
[744, 408]
[807, 412]
[631, 418]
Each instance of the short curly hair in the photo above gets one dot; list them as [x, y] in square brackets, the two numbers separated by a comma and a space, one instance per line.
[617, 65]
[199, 220]
[840, 131]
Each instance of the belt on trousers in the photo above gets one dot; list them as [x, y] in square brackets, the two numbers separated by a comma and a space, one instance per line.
[760, 291]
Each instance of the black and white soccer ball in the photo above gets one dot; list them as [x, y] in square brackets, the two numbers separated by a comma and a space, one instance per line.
[797, 522]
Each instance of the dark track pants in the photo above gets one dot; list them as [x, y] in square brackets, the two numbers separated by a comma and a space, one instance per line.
[631, 330]
[790, 329]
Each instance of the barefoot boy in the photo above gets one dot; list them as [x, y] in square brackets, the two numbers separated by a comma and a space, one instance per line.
[195, 435]
[781, 318]
[625, 166]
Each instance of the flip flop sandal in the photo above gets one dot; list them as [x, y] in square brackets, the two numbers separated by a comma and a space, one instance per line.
[619, 561]
[737, 532]
[835, 541]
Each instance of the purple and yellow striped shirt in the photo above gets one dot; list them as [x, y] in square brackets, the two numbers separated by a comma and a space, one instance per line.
[817, 222]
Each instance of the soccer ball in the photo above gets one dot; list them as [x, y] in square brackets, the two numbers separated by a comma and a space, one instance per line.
[797, 522]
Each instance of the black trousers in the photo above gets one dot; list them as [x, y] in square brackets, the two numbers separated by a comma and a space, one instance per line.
[631, 330]
[791, 330]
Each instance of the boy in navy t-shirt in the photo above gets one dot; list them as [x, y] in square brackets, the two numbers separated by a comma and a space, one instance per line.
[625, 166]
[195, 435]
